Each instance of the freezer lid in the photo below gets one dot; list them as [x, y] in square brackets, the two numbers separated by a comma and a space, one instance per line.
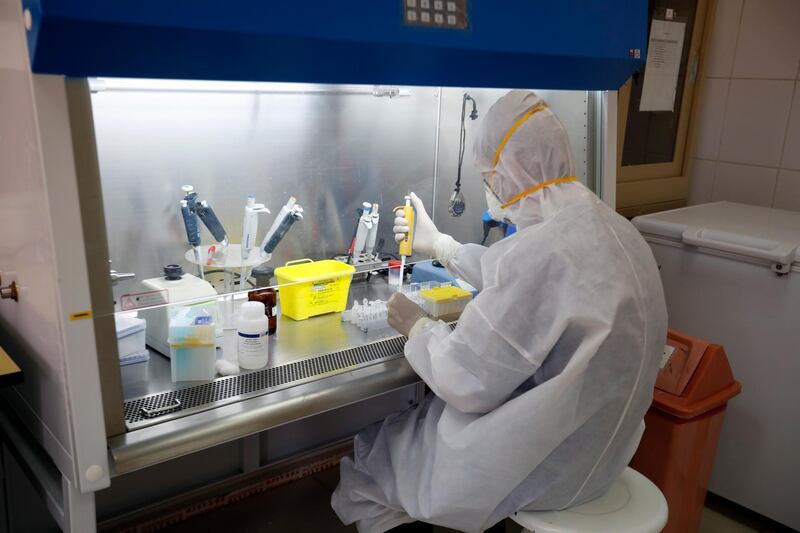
[759, 232]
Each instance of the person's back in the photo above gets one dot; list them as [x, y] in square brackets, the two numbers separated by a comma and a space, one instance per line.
[615, 307]
[539, 392]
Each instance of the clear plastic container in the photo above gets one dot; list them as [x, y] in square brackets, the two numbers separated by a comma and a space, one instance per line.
[192, 345]
[367, 315]
[395, 274]
[130, 335]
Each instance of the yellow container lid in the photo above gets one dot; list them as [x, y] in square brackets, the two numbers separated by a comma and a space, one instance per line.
[308, 270]
[443, 294]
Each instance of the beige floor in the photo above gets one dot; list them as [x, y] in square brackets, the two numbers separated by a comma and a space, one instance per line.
[304, 506]
[715, 522]
[722, 516]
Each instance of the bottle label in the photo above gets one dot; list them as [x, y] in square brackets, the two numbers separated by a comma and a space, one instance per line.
[253, 343]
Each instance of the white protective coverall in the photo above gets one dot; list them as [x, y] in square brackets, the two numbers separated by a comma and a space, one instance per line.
[538, 395]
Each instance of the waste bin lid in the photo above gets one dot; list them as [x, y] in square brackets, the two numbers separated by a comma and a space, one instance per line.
[695, 377]
[682, 354]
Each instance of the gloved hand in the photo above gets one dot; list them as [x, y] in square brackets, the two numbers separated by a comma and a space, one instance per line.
[425, 232]
[403, 313]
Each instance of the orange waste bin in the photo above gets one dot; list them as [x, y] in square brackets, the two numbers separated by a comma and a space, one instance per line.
[683, 425]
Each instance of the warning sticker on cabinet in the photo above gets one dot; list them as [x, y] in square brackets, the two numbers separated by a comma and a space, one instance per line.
[138, 300]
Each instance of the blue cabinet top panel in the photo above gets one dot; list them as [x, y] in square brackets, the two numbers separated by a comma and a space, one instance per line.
[560, 44]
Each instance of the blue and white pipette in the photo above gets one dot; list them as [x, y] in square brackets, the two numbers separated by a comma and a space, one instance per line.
[191, 210]
[288, 215]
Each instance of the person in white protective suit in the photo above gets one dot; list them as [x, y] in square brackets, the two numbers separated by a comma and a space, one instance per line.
[538, 395]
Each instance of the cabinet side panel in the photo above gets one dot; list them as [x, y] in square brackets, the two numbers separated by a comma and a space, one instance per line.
[30, 329]
[94, 235]
[81, 372]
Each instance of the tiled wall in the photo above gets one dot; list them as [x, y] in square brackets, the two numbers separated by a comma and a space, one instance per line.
[747, 147]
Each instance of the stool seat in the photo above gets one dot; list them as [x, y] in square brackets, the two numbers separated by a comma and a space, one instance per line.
[633, 504]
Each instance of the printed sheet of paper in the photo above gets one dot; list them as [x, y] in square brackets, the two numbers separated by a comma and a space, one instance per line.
[663, 64]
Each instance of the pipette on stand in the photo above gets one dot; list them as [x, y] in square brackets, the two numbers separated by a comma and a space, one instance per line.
[249, 232]
[406, 247]
[192, 233]
[211, 222]
[288, 215]
[203, 211]
[191, 209]
[214, 226]
[373, 231]
[364, 227]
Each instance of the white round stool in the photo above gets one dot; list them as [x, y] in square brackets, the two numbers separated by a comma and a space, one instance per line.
[632, 505]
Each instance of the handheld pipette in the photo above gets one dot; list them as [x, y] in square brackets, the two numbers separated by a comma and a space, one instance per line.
[373, 231]
[211, 222]
[406, 245]
[205, 213]
[288, 215]
[249, 232]
[364, 227]
[191, 210]
[192, 233]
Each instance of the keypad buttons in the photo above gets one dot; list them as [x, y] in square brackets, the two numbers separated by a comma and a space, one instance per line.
[436, 14]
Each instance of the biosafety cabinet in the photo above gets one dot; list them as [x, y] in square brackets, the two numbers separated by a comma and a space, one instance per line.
[132, 137]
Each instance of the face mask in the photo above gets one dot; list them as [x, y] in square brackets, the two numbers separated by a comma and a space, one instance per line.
[495, 211]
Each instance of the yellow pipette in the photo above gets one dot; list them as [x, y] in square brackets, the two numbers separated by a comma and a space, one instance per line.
[406, 245]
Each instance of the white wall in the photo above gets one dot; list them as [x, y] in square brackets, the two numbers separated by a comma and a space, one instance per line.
[747, 146]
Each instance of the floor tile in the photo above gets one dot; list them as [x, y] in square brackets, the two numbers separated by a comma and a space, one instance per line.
[714, 522]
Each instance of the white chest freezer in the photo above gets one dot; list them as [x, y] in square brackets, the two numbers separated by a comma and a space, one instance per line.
[731, 275]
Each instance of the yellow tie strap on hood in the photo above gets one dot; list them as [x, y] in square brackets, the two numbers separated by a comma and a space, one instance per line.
[532, 190]
[511, 131]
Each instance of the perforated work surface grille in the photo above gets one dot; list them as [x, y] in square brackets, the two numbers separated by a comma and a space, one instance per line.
[261, 381]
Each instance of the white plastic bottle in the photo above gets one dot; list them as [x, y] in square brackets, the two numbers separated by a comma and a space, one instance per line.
[251, 332]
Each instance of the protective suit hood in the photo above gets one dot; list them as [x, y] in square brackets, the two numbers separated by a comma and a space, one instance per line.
[536, 152]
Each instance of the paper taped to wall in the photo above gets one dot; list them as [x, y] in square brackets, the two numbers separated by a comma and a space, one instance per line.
[663, 65]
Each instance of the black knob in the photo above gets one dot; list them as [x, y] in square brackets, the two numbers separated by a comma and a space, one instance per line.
[173, 272]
